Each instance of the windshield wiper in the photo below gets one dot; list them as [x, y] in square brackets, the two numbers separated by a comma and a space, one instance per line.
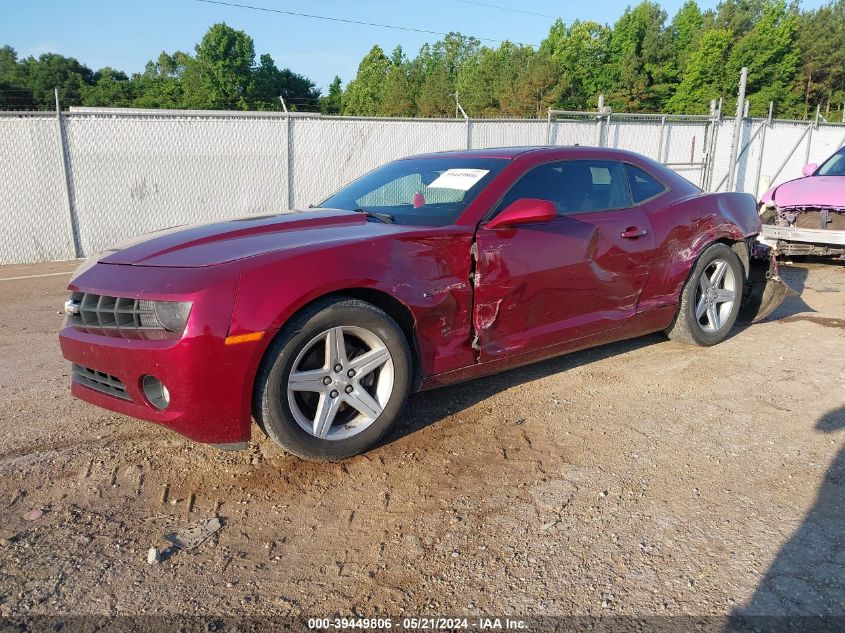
[381, 217]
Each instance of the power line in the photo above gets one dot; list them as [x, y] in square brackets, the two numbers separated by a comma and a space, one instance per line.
[501, 8]
[346, 20]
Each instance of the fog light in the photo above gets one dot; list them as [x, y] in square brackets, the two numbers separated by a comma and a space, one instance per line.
[156, 392]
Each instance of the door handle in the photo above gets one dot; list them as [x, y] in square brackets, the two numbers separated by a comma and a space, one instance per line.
[633, 232]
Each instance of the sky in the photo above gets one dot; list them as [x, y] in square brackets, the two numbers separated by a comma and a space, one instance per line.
[126, 34]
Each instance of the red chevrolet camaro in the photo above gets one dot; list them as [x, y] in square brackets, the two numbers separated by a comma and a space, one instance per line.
[429, 270]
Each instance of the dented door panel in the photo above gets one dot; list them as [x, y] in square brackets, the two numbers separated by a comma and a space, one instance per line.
[545, 284]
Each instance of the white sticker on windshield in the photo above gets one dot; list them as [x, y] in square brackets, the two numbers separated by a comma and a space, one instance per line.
[462, 179]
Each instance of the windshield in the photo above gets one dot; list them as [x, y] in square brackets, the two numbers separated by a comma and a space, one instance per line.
[424, 191]
[833, 166]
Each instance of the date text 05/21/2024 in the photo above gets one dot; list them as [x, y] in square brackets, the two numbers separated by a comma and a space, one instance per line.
[420, 624]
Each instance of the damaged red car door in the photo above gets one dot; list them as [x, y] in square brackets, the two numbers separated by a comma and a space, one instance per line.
[576, 275]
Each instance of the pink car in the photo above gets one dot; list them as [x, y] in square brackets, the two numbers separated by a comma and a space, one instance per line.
[807, 215]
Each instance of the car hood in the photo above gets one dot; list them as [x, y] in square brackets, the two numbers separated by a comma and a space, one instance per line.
[813, 191]
[221, 242]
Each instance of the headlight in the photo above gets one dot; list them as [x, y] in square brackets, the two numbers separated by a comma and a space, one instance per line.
[169, 315]
[173, 315]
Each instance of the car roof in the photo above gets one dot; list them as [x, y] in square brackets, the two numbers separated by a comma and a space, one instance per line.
[513, 152]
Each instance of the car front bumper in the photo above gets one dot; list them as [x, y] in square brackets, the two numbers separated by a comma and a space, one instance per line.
[209, 381]
[772, 233]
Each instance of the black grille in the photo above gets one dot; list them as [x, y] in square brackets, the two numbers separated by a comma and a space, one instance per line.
[99, 381]
[102, 311]
[118, 316]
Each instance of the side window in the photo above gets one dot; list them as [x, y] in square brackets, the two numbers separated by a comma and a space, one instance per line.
[575, 186]
[643, 186]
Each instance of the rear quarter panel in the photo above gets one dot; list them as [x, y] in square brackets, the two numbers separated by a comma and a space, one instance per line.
[683, 229]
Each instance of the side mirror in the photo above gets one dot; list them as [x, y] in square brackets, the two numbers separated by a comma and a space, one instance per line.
[809, 170]
[524, 211]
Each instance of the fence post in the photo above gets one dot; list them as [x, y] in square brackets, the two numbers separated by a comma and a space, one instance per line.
[466, 119]
[74, 221]
[600, 122]
[766, 125]
[288, 166]
[549, 127]
[709, 131]
[810, 134]
[715, 124]
[660, 144]
[740, 108]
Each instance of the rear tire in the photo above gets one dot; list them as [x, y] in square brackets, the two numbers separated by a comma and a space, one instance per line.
[710, 300]
[334, 380]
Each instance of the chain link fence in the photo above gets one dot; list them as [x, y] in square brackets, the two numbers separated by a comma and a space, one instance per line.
[76, 183]
[34, 204]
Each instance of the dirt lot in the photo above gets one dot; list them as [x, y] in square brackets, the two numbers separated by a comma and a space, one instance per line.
[644, 477]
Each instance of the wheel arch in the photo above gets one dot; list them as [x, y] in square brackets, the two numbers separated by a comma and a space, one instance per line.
[395, 309]
[740, 248]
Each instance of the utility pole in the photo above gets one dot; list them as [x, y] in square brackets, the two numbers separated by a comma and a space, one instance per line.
[740, 109]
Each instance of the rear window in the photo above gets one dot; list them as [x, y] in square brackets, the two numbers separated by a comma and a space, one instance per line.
[643, 185]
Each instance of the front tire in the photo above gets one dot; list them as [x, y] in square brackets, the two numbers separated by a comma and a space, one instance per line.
[334, 380]
[711, 298]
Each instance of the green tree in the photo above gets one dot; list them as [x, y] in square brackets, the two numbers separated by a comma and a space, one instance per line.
[363, 96]
[436, 97]
[220, 76]
[14, 90]
[51, 71]
[269, 83]
[582, 52]
[684, 33]
[433, 74]
[540, 86]
[111, 88]
[397, 95]
[332, 103]
[452, 51]
[770, 52]
[160, 85]
[637, 62]
[476, 83]
[821, 42]
[513, 60]
[736, 16]
[705, 76]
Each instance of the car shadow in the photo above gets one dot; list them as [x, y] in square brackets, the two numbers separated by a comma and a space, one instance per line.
[796, 278]
[432, 406]
[429, 407]
[804, 588]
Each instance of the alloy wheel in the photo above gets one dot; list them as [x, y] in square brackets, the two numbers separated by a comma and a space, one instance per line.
[340, 382]
[715, 296]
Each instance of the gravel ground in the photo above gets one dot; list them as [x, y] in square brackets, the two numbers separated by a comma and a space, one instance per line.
[643, 477]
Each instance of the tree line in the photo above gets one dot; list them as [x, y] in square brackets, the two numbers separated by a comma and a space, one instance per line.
[644, 62]
[222, 74]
